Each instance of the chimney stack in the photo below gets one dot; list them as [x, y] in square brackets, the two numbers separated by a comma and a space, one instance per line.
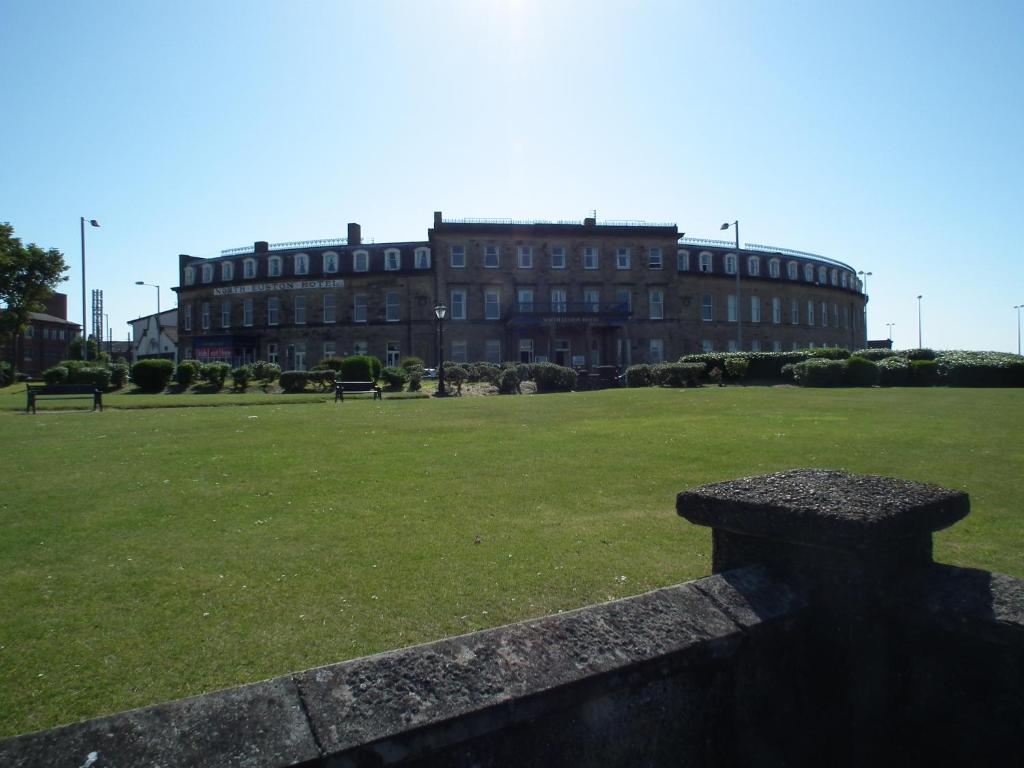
[260, 246]
[355, 234]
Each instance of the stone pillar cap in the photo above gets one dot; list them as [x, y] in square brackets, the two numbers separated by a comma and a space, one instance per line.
[825, 508]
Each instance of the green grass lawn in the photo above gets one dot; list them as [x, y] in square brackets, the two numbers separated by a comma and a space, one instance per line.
[153, 554]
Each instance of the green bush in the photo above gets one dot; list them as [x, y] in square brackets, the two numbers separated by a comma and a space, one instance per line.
[876, 354]
[924, 373]
[152, 375]
[96, 376]
[265, 373]
[829, 353]
[6, 374]
[410, 362]
[894, 372]
[360, 368]
[526, 370]
[639, 375]
[332, 363]
[323, 378]
[736, 367]
[56, 376]
[786, 372]
[294, 381]
[394, 378]
[215, 374]
[481, 371]
[981, 369]
[186, 373]
[415, 378]
[508, 381]
[677, 374]
[820, 372]
[861, 372]
[550, 377]
[118, 375]
[240, 377]
[457, 375]
[919, 354]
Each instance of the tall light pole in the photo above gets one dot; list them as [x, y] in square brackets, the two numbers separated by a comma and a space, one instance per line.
[865, 275]
[151, 285]
[440, 310]
[1018, 307]
[919, 345]
[85, 338]
[739, 307]
[890, 326]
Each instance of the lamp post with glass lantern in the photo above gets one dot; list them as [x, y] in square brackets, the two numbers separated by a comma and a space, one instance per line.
[440, 310]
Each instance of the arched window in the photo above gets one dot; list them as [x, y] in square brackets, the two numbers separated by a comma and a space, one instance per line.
[753, 266]
[730, 263]
[822, 275]
[834, 276]
[809, 273]
[842, 279]
[330, 262]
[792, 270]
[249, 268]
[773, 268]
[301, 264]
[392, 259]
[190, 276]
[207, 273]
[274, 266]
[682, 260]
[705, 262]
[227, 270]
[422, 258]
[361, 261]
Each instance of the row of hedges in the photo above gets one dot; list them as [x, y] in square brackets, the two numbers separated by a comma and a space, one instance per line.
[665, 375]
[88, 374]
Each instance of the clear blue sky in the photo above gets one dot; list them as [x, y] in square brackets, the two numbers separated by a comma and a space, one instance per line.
[885, 134]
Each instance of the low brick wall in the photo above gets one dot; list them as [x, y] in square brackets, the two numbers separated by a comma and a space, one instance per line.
[825, 636]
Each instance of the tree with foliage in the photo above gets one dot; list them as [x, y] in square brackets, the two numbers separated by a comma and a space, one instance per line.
[28, 276]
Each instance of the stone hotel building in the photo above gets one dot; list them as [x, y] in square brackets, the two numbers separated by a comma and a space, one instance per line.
[574, 293]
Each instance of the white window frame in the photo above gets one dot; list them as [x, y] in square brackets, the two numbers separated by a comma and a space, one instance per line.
[457, 256]
[656, 304]
[360, 347]
[392, 306]
[205, 316]
[592, 299]
[330, 350]
[274, 266]
[360, 310]
[273, 311]
[682, 260]
[301, 263]
[249, 269]
[492, 351]
[331, 262]
[559, 299]
[623, 258]
[824, 314]
[808, 273]
[835, 315]
[590, 257]
[422, 258]
[707, 345]
[392, 259]
[776, 310]
[492, 256]
[492, 304]
[707, 308]
[330, 309]
[525, 300]
[393, 354]
[299, 310]
[707, 262]
[656, 351]
[207, 273]
[225, 314]
[731, 308]
[272, 352]
[810, 312]
[834, 276]
[458, 310]
[730, 263]
[190, 276]
[792, 270]
[460, 351]
[299, 352]
[247, 313]
[794, 312]
[227, 270]
[558, 257]
[654, 259]
[524, 256]
[187, 320]
[753, 266]
[774, 269]
[823, 275]
[755, 309]
[361, 260]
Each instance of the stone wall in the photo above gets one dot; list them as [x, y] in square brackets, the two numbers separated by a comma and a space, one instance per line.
[825, 636]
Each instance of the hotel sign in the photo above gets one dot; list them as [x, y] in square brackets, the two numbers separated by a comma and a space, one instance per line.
[288, 285]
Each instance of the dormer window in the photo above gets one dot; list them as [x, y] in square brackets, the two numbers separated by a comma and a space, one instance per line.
[792, 270]
[682, 261]
[809, 273]
[274, 266]
[730, 263]
[422, 258]
[834, 276]
[706, 264]
[361, 261]
[301, 264]
[392, 259]
[842, 279]
[227, 270]
[249, 268]
[754, 266]
[773, 268]
[330, 262]
[207, 273]
[822, 275]
[190, 276]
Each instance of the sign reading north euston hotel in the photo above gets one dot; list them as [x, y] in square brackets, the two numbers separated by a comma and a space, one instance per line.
[288, 285]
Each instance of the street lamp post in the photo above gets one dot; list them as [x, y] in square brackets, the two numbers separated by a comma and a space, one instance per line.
[85, 339]
[151, 285]
[1018, 307]
[865, 275]
[890, 326]
[919, 345]
[440, 310]
[739, 306]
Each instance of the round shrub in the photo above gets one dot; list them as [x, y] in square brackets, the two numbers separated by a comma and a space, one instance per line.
[677, 374]
[481, 371]
[525, 370]
[360, 368]
[55, 376]
[861, 372]
[553, 378]
[894, 372]
[118, 375]
[456, 375]
[152, 375]
[394, 378]
[920, 354]
[820, 373]
[6, 374]
[265, 372]
[415, 378]
[294, 381]
[186, 373]
[240, 377]
[736, 367]
[508, 381]
[332, 363]
[639, 375]
[410, 362]
[215, 374]
[95, 376]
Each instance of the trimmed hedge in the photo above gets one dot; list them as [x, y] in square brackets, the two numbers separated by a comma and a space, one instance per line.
[876, 354]
[294, 381]
[152, 375]
[550, 377]
[861, 372]
[677, 374]
[508, 381]
[640, 375]
[820, 373]
[118, 375]
[456, 374]
[924, 373]
[265, 373]
[736, 367]
[894, 372]
[56, 376]
[394, 378]
[240, 378]
[215, 374]
[981, 369]
[186, 373]
[359, 368]
[920, 354]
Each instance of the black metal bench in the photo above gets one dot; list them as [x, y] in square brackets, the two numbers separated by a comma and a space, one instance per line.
[342, 388]
[62, 392]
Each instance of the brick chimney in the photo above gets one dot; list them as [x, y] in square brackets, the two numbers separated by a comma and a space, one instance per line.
[260, 246]
[438, 218]
[355, 234]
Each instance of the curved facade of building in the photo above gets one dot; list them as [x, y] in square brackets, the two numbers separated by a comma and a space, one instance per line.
[574, 293]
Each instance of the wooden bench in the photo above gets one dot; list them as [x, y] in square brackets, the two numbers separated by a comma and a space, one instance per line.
[342, 388]
[62, 392]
